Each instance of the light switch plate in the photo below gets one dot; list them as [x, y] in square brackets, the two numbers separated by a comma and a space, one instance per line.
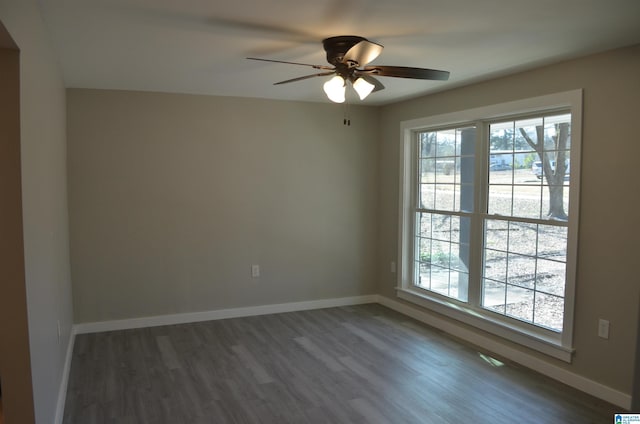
[255, 271]
[603, 328]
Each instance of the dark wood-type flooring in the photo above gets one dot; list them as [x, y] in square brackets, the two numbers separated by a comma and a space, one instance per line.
[359, 364]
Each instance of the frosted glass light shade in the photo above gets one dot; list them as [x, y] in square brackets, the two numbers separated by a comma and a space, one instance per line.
[335, 88]
[363, 88]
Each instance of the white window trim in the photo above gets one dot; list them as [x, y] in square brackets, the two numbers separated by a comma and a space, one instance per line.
[558, 345]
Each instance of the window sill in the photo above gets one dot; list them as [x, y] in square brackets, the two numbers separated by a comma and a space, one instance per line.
[484, 320]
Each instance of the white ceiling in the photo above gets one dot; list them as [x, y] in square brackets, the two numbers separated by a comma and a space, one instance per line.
[200, 46]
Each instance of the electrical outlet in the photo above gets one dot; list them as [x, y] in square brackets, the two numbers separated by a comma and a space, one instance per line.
[603, 328]
[393, 267]
[255, 271]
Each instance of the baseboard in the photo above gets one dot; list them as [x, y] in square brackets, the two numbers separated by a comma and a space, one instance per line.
[62, 391]
[532, 362]
[185, 318]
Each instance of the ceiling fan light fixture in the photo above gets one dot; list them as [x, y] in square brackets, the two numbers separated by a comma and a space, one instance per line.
[363, 88]
[335, 89]
[348, 57]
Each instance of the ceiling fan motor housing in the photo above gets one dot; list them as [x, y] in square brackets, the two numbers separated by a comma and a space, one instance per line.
[336, 47]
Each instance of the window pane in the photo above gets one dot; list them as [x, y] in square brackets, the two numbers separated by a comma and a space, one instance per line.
[495, 265]
[526, 201]
[552, 242]
[531, 171]
[424, 224]
[555, 202]
[522, 259]
[427, 145]
[519, 278]
[549, 311]
[523, 238]
[465, 197]
[501, 169]
[459, 285]
[443, 254]
[501, 137]
[427, 171]
[440, 253]
[521, 271]
[541, 144]
[439, 280]
[427, 196]
[447, 164]
[494, 295]
[500, 200]
[445, 197]
[496, 234]
[460, 257]
[441, 227]
[527, 129]
[424, 252]
[519, 303]
[454, 226]
[528, 177]
[550, 277]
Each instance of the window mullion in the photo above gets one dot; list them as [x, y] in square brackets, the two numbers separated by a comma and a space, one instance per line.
[415, 205]
[480, 198]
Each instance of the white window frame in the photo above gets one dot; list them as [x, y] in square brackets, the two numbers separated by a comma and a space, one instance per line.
[558, 345]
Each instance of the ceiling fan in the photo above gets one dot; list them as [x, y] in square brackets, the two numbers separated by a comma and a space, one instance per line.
[350, 55]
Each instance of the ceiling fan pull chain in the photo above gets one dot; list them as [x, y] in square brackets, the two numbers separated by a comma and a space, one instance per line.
[347, 118]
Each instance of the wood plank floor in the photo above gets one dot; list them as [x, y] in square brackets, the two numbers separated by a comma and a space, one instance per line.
[359, 364]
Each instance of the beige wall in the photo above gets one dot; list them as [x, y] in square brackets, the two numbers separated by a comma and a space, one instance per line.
[173, 197]
[44, 202]
[607, 279]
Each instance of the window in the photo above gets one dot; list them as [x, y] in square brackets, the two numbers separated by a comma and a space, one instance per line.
[489, 218]
[445, 202]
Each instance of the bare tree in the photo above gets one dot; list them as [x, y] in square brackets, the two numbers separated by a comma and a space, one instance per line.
[553, 175]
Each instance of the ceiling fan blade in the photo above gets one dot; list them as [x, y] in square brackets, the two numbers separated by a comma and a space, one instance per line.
[362, 53]
[268, 30]
[406, 72]
[322, 74]
[292, 63]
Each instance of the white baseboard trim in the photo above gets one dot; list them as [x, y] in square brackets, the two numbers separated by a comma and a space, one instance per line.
[532, 362]
[154, 321]
[62, 391]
